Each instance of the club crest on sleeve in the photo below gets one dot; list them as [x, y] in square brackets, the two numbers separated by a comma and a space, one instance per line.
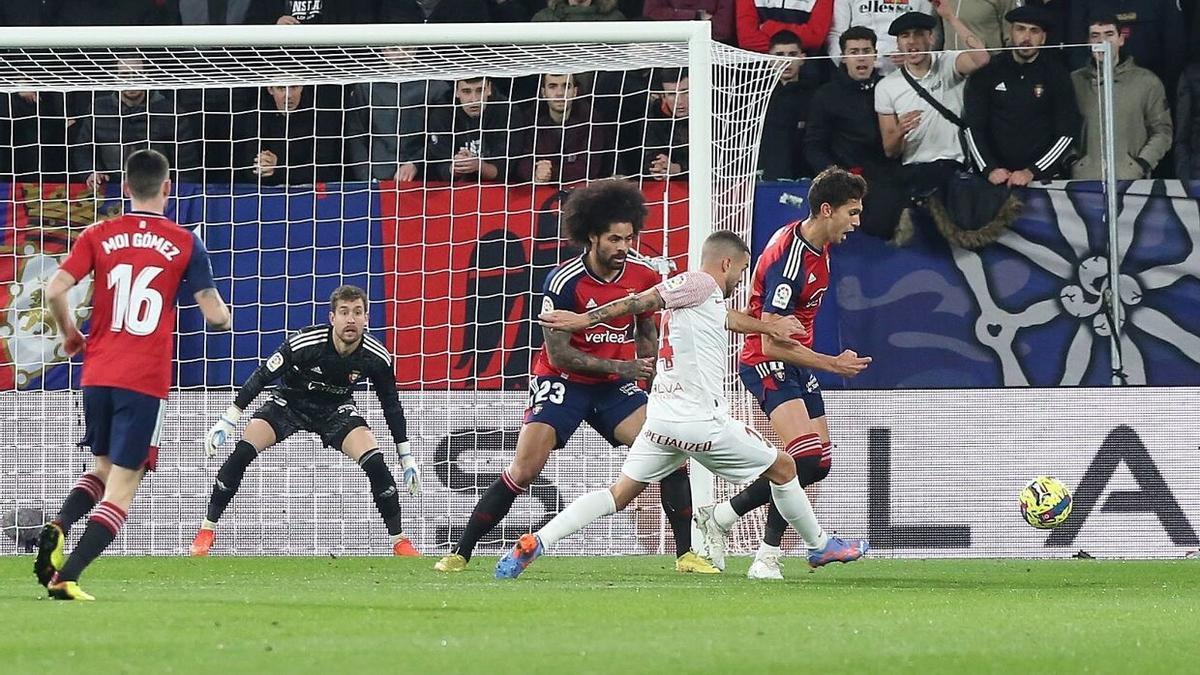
[354, 374]
[674, 283]
[547, 304]
[275, 362]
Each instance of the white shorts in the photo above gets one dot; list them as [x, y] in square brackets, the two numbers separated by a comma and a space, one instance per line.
[725, 446]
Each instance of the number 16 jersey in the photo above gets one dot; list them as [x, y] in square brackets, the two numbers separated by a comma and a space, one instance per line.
[142, 261]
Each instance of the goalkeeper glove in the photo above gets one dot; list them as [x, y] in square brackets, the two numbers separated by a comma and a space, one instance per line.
[412, 477]
[221, 430]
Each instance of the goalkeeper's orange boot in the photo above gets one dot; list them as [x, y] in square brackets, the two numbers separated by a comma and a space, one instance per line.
[203, 542]
[405, 549]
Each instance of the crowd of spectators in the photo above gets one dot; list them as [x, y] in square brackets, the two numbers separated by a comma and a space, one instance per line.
[883, 106]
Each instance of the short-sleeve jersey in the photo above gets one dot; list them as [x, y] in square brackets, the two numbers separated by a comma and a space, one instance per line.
[141, 262]
[571, 286]
[791, 278]
[693, 351]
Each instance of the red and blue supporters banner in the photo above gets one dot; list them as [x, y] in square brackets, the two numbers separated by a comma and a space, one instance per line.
[277, 254]
[468, 264]
[1026, 310]
[453, 275]
[38, 222]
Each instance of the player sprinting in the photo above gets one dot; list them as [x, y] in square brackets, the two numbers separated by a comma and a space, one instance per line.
[590, 376]
[790, 280]
[141, 261]
[321, 366]
[688, 414]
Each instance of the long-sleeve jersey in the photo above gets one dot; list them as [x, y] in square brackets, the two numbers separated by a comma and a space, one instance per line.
[317, 378]
[1021, 115]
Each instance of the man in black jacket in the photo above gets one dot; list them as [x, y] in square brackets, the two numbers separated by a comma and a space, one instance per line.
[468, 141]
[132, 119]
[289, 140]
[781, 156]
[843, 129]
[1021, 108]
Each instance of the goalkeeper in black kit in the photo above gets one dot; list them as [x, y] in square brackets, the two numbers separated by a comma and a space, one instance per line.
[320, 367]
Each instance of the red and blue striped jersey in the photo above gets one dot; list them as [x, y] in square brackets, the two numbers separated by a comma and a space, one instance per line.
[791, 277]
[573, 287]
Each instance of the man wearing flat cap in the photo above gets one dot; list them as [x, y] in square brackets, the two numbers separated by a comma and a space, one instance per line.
[1020, 107]
[924, 139]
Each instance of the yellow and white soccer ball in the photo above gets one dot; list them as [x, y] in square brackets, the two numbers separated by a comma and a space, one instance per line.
[1045, 502]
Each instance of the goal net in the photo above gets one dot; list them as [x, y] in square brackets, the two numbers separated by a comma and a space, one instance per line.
[426, 165]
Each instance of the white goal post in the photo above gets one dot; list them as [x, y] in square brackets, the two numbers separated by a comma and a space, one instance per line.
[728, 89]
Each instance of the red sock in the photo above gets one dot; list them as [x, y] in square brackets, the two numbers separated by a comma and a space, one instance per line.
[87, 491]
[804, 445]
[111, 516]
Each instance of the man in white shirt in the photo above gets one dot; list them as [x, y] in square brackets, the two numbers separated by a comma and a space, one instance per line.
[912, 128]
[924, 139]
[688, 414]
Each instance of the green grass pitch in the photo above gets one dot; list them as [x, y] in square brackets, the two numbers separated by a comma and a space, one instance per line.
[603, 615]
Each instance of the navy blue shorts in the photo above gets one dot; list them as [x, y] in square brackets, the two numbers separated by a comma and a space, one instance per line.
[774, 383]
[563, 405]
[123, 425]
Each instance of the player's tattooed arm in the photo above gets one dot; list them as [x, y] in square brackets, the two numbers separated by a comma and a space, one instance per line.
[213, 307]
[647, 337]
[648, 300]
[565, 357]
[647, 340]
[572, 322]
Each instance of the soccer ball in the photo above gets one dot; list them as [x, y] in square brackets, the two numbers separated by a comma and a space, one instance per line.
[1045, 502]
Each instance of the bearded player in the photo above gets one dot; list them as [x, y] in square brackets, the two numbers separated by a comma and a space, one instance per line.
[141, 262]
[320, 367]
[790, 279]
[688, 415]
[589, 376]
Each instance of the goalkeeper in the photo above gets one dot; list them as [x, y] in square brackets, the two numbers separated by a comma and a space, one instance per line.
[320, 367]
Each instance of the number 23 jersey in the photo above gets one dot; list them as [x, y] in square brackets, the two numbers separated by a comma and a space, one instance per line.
[141, 261]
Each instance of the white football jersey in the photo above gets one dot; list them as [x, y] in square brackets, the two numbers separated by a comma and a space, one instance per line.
[693, 351]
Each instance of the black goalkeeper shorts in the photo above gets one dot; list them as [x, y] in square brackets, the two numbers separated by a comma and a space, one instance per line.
[332, 424]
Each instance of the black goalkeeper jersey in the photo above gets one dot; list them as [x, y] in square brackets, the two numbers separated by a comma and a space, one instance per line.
[316, 379]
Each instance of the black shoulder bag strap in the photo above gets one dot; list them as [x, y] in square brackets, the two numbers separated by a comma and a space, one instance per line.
[928, 97]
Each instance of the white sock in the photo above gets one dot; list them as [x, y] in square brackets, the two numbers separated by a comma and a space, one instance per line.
[793, 505]
[764, 548]
[725, 516]
[397, 537]
[582, 512]
[207, 524]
